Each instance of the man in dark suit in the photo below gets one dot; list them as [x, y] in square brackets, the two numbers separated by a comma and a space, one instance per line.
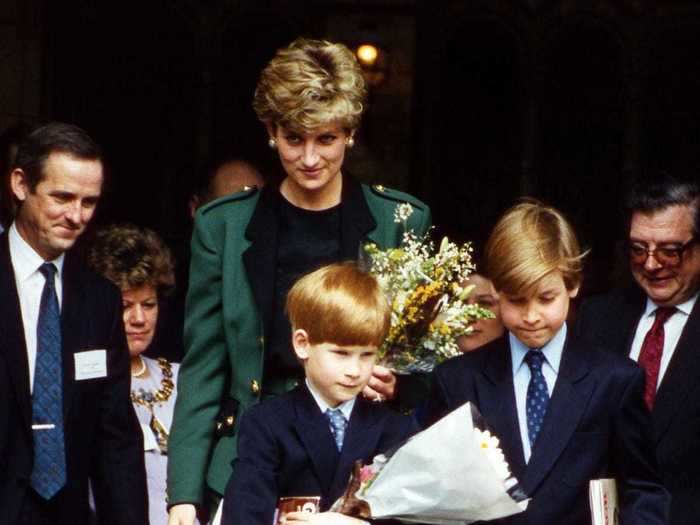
[65, 414]
[658, 325]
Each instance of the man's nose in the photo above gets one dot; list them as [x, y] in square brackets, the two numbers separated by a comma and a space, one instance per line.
[651, 263]
[74, 212]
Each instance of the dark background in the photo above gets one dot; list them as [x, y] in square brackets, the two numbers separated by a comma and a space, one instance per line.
[482, 101]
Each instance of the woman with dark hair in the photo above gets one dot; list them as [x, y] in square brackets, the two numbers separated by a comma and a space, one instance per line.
[248, 248]
[140, 264]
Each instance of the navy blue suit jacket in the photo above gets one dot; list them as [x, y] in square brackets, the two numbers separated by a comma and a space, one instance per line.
[675, 419]
[102, 436]
[285, 448]
[595, 427]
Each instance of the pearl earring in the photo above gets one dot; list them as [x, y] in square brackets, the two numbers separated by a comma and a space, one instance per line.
[272, 143]
[350, 142]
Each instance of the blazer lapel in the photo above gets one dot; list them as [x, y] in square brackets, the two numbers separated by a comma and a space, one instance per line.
[567, 404]
[73, 317]
[315, 434]
[356, 220]
[12, 343]
[626, 326]
[681, 376]
[496, 396]
[361, 441]
[260, 258]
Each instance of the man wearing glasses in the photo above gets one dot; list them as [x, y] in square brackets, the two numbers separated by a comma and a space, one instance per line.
[658, 325]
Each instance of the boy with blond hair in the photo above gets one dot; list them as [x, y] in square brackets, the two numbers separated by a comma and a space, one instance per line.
[565, 414]
[304, 443]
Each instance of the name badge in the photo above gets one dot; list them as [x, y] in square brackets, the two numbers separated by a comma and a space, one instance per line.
[90, 365]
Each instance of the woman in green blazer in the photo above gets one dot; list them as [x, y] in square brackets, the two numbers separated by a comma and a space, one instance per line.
[247, 250]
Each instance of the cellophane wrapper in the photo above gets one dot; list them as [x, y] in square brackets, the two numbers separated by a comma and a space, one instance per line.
[450, 473]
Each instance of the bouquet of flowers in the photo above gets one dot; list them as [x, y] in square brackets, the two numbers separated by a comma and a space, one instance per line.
[451, 473]
[424, 288]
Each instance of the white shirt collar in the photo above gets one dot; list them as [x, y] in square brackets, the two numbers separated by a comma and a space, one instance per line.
[685, 307]
[345, 407]
[552, 350]
[25, 259]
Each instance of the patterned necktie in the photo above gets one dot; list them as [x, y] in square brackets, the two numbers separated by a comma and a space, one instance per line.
[49, 472]
[338, 425]
[537, 395]
[650, 354]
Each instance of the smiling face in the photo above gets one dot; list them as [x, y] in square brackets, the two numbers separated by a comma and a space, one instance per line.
[337, 373]
[53, 215]
[536, 317]
[140, 317]
[312, 162]
[667, 285]
[483, 330]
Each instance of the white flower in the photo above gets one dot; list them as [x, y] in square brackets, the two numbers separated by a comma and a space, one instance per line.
[403, 212]
[490, 445]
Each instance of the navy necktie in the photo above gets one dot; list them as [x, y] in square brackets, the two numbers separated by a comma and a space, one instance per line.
[49, 472]
[338, 425]
[537, 395]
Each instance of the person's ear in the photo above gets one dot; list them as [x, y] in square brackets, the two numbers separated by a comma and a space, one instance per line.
[19, 184]
[573, 292]
[300, 342]
[271, 130]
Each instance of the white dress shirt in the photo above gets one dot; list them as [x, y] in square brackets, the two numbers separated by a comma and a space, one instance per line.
[345, 407]
[30, 284]
[521, 377]
[672, 331]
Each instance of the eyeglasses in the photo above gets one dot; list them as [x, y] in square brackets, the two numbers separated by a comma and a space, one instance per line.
[664, 255]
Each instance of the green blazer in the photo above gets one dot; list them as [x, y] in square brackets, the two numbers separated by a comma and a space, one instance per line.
[229, 304]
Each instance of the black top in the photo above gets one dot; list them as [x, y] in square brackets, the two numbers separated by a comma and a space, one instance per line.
[307, 240]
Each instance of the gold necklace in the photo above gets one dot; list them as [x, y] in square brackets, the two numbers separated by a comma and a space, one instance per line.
[142, 370]
[149, 399]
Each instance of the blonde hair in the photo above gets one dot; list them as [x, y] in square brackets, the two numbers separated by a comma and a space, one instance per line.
[132, 257]
[339, 304]
[530, 241]
[309, 84]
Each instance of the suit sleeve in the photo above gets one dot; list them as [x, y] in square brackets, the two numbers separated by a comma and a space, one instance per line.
[252, 493]
[203, 374]
[118, 473]
[643, 500]
[437, 404]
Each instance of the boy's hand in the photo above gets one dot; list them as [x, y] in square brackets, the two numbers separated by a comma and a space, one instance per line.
[182, 514]
[381, 386]
[325, 518]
